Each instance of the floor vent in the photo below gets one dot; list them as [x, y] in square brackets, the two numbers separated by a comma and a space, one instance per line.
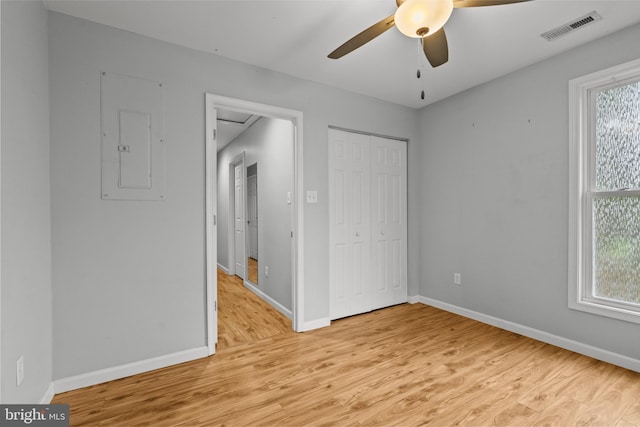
[571, 26]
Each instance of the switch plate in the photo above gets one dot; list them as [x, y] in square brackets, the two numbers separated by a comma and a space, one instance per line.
[457, 279]
[266, 271]
[312, 196]
[19, 370]
[288, 197]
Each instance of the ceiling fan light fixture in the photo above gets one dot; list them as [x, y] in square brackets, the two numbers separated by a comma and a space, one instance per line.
[418, 18]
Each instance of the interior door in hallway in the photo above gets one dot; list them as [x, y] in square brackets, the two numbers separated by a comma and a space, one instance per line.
[239, 219]
[252, 211]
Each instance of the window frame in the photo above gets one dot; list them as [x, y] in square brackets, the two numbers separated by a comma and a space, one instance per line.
[582, 192]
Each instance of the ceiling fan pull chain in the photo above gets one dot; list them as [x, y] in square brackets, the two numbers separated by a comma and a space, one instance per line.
[420, 65]
[422, 93]
[419, 73]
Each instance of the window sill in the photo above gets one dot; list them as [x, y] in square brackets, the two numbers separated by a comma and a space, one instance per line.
[605, 310]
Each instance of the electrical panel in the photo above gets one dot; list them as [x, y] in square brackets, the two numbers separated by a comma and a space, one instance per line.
[133, 154]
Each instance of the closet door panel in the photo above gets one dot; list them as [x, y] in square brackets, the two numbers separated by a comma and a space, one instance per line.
[389, 226]
[350, 224]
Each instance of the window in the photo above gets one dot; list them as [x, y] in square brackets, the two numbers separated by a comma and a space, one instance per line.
[604, 207]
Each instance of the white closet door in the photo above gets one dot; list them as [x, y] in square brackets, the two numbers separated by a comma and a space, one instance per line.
[388, 222]
[349, 216]
[368, 222]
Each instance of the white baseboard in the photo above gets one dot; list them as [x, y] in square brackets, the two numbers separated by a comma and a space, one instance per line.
[223, 268]
[413, 299]
[558, 341]
[48, 395]
[117, 372]
[315, 324]
[273, 303]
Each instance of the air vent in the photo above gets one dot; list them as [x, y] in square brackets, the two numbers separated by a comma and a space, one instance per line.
[571, 26]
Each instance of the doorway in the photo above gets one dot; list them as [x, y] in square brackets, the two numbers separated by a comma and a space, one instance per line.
[212, 105]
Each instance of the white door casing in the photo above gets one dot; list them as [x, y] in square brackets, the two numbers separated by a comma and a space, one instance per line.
[211, 248]
[296, 117]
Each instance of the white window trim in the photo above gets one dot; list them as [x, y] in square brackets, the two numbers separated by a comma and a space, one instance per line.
[580, 131]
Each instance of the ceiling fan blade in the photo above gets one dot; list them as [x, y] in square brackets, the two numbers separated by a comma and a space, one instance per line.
[478, 3]
[436, 48]
[364, 37]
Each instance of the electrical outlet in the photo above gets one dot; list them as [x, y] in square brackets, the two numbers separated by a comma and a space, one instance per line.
[312, 196]
[457, 279]
[19, 370]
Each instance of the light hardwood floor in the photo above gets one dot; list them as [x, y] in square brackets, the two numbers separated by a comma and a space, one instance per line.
[242, 316]
[406, 365]
[252, 269]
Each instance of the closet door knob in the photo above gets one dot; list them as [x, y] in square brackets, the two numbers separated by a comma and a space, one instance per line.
[382, 233]
[357, 234]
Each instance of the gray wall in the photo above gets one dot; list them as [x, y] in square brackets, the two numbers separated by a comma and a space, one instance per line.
[128, 277]
[494, 197]
[26, 226]
[269, 142]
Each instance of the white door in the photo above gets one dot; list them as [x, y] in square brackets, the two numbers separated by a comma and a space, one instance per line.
[368, 223]
[389, 221]
[252, 212]
[349, 216]
[239, 219]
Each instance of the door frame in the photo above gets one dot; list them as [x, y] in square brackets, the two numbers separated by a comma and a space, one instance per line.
[231, 229]
[212, 102]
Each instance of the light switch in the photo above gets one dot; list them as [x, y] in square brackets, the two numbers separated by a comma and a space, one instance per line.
[312, 196]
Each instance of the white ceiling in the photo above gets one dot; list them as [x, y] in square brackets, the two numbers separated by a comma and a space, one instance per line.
[232, 124]
[295, 36]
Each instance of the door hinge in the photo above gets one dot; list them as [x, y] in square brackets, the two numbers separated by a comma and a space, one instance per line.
[215, 219]
[215, 134]
[215, 306]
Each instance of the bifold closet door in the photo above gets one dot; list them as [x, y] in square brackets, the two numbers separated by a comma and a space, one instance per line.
[388, 222]
[367, 214]
[350, 240]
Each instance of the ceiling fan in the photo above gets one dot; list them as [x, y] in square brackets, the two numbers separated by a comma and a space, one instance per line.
[422, 19]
